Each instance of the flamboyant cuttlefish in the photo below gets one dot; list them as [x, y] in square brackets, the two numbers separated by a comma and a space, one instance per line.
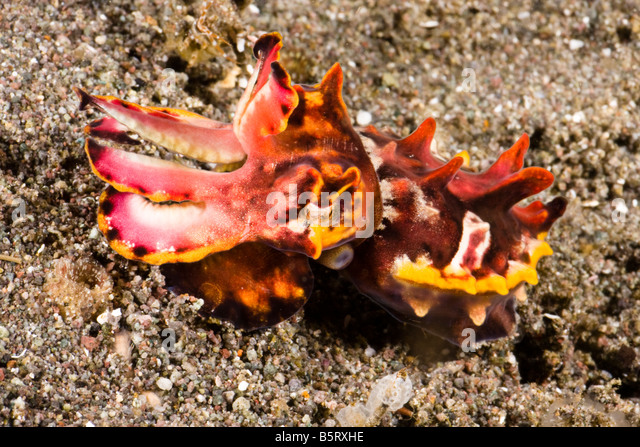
[450, 247]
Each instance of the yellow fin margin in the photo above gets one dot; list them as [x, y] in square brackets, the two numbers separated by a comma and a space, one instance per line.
[423, 273]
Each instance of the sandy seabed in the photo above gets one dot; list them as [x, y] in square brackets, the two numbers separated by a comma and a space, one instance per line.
[566, 75]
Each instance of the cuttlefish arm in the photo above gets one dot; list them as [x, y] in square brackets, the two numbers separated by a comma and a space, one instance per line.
[179, 131]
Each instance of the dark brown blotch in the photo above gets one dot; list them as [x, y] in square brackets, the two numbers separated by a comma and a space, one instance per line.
[140, 251]
[96, 123]
[106, 207]
[265, 44]
[113, 234]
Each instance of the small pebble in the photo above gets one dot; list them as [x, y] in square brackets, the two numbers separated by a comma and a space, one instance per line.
[153, 400]
[164, 383]
[575, 44]
[363, 118]
[241, 404]
[389, 80]
[578, 117]
[228, 396]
